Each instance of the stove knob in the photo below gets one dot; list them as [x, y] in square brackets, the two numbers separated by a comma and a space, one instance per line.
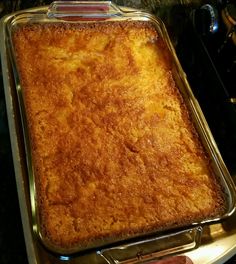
[205, 20]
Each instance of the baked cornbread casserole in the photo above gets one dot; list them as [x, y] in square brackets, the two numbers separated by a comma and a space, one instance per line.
[114, 150]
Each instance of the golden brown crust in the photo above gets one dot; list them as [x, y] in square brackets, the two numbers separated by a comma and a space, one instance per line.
[114, 150]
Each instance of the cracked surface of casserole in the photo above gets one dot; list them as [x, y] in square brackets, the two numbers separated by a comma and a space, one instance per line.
[114, 151]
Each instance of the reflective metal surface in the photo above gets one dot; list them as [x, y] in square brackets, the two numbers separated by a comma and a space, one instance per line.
[218, 243]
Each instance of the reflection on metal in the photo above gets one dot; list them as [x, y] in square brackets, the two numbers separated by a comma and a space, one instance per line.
[232, 100]
[218, 243]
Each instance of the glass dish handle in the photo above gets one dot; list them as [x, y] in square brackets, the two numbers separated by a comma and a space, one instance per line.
[153, 248]
[83, 10]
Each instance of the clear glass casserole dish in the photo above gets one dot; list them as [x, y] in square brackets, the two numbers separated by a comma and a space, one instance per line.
[180, 237]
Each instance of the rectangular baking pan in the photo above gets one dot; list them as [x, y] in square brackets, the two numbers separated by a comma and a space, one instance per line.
[81, 12]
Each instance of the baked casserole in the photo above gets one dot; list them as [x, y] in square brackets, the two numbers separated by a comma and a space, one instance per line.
[114, 150]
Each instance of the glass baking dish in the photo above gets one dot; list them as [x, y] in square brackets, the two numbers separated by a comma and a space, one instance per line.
[139, 248]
